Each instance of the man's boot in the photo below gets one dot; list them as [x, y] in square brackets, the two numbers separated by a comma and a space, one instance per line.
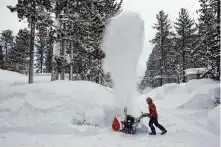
[163, 132]
[153, 131]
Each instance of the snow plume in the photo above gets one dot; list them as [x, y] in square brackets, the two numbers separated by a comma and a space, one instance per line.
[122, 44]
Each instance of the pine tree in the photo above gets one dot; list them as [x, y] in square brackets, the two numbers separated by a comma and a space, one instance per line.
[18, 55]
[151, 77]
[162, 40]
[214, 53]
[185, 30]
[81, 30]
[40, 55]
[108, 80]
[7, 39]
[208, 43]
[43, 26]
[58, 7]
[1, 57]
[172, 63]
[29, 9]
[204, 25]
[49, 52]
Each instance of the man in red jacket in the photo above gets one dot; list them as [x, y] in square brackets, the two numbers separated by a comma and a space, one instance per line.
[154, 118]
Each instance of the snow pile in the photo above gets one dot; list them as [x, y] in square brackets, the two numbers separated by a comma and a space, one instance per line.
[201, 97]
[122, 44]
[159, 93]
[146, 90]
[64, 113]
[214, 117]
[14, 78]
[195, 94]
[54, 107]
[7, 77]
[193, 84]
[217, 95]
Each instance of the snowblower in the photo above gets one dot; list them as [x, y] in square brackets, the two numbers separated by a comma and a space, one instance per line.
[128, 124]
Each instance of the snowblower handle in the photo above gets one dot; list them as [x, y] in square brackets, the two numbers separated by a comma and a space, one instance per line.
[145, 115]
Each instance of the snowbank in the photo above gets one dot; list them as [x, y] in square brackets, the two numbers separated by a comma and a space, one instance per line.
[195, 94]
[9, 76]
[146, 90]
[14, 78]
[201, 97]
[159, 93]
[52, 104]
[214, 117]
[196, 83]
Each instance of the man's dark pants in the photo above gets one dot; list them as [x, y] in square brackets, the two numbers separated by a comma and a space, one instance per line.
[154, 121]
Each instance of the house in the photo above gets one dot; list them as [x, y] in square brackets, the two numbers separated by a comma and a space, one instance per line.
[194, 73]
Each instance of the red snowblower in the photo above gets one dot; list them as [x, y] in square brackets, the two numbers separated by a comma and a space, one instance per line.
[128, 124]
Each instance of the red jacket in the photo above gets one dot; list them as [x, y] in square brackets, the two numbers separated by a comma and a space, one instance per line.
[153, 110]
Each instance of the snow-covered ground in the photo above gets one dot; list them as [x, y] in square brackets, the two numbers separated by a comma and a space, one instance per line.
[79, 113]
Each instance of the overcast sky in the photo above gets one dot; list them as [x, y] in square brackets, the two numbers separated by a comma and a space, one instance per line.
[146, 8]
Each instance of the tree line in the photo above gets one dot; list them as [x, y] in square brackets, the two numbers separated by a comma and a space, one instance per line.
[184, 44]
[63, 36]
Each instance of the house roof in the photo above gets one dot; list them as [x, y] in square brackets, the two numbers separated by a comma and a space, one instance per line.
[191, 71]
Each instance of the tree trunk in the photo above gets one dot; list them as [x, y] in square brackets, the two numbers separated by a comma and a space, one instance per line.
[31, 60]
[218, 18]
[63, 53]
[178, 63]
[89, 73]
[56, 50]
[218, 30]
[71, 64]
[41, 58]
[63, 61]
[6, 53]
[161, 61]
[183, 55]
[184, 62]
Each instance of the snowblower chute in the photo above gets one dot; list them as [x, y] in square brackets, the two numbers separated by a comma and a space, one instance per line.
[117, 123]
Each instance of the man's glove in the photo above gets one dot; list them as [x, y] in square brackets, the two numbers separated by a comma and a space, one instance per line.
[146, 115]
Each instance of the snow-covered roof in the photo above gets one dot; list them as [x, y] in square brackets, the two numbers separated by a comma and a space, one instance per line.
[163, 77]
[191, 71]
